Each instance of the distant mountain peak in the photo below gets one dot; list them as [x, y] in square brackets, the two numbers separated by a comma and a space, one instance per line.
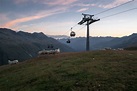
[134, 34]
[6, 30]
[40, 33]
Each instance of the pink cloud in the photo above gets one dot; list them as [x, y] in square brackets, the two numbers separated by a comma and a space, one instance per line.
[20, 1]
[49, 2]
[83, 9]
[59, 2]
[114, 4]
[20, 20]
[29, 18]
[84, 5]
[3, 17]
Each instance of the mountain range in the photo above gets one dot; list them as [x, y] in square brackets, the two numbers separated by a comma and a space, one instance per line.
[22, 45]
[99, 43]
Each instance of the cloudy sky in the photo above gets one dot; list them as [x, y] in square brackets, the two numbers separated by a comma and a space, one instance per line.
[56, 17]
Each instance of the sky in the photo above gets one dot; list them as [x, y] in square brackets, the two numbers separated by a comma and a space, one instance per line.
[56, 17]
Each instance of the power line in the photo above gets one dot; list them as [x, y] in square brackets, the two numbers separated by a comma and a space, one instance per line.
[81, 28]
[105, 16]
[100, 13]
[104, 12]
[119, 13]
[114, 7]
[74, 26]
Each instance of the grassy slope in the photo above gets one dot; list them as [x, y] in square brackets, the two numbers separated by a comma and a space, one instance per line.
[87, 71]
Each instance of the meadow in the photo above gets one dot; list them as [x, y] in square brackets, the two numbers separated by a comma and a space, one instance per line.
[83, 71]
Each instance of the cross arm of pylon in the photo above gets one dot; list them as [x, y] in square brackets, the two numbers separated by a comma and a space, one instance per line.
[88, 18]
[92, 21]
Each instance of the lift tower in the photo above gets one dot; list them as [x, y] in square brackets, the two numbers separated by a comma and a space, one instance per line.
[88, 19]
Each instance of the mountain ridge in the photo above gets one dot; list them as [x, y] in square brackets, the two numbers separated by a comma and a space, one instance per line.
[22, 45]
[98, 43]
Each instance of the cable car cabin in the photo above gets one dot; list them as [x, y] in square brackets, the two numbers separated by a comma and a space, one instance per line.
[72, 34]
[68, 41]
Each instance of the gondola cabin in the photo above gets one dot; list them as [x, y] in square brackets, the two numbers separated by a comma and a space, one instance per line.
[68, 41]
[72, 34]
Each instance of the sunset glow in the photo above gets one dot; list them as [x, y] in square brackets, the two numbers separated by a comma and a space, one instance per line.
[56, 17]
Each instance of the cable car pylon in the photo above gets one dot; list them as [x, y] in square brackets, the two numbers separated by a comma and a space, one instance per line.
[88, 19]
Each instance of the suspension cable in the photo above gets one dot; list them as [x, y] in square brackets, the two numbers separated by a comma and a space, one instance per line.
[114, 7]
[81, 28]
[119, 13]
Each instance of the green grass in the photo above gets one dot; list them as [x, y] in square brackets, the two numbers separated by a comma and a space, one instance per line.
[85, 71]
